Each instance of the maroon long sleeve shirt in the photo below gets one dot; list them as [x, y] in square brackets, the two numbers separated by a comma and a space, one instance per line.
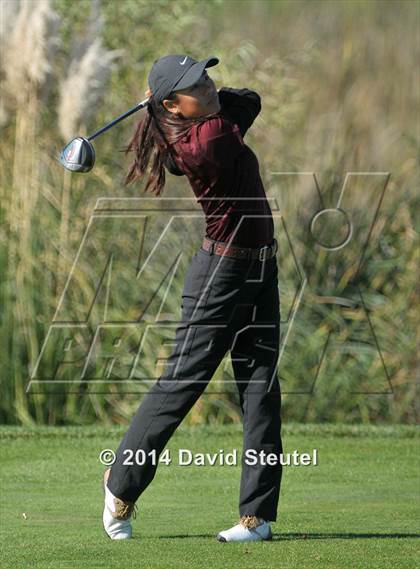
[224, 172]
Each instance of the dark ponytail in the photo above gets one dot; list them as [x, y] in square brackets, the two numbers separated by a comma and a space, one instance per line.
[153, 140]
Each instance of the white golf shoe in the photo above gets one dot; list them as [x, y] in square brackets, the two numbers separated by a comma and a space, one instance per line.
[117, 513]
[249, 528]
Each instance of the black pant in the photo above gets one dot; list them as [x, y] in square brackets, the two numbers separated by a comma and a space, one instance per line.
[227, 304]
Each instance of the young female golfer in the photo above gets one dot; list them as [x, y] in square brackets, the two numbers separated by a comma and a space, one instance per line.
[230, 299]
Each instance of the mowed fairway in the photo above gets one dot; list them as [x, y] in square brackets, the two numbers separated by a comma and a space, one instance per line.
[358, 508]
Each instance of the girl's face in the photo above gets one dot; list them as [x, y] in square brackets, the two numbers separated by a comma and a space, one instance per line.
[199, 100]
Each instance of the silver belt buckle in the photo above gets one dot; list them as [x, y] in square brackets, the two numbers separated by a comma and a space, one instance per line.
[211, 248]
[266, 247]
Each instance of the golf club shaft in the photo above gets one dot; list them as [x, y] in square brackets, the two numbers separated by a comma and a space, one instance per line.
[118, 119]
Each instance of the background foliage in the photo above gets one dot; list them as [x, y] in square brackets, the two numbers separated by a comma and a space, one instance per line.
[340, 93]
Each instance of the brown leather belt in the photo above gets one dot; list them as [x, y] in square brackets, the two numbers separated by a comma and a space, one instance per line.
[221, 248]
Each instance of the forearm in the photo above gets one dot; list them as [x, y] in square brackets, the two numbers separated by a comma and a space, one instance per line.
[242, 106]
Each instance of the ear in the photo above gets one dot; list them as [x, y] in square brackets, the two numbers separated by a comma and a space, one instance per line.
[170, 106]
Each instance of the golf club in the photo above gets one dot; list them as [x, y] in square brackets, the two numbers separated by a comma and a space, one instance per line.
[79, 155]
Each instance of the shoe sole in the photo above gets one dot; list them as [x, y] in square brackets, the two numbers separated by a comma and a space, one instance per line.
[103, 490]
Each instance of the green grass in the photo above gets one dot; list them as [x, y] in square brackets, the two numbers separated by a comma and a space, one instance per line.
[358, 508]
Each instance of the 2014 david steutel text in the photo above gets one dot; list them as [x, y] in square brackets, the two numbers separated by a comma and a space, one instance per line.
[251, 457]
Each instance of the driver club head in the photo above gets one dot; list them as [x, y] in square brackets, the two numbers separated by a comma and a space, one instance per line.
[78, 155]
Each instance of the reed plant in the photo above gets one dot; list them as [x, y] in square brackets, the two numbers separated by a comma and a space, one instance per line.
[338, 95]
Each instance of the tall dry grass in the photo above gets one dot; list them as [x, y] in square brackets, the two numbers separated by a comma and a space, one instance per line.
[80, 92]
[339, 94]
[28, 46]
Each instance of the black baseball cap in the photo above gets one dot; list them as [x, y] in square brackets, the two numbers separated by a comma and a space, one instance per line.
[175, 72]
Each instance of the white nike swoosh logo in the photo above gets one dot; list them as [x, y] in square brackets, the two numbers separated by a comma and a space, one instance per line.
[184, 61]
